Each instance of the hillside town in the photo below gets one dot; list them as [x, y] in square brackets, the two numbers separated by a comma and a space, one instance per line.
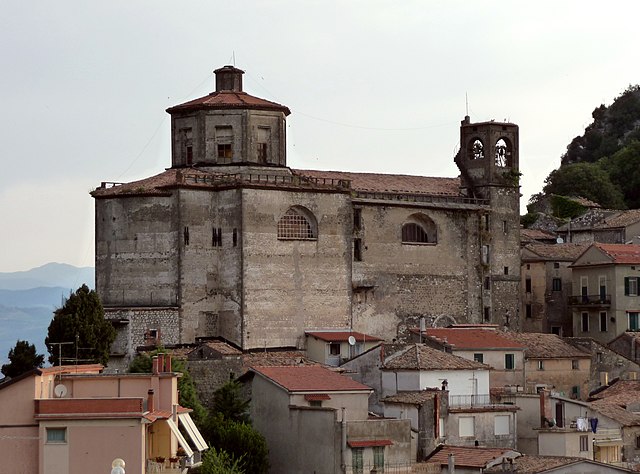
[374, 322]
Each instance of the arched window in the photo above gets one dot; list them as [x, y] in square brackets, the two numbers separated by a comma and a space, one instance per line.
[503, 156]
[297, 223]
[419, 229]
[476, 149]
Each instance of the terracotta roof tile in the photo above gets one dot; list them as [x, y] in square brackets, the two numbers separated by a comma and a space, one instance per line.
[533, 464]
[229, 100]
[276, 358]
[566, 252]
[545, 346]
[621, 253]
[619, 219]
[532, 235]
[310, 378]
[469, 456]
[369, 443]
[342, 336]
[421, 357]
[462, 339]
[73, 369]
[391, 183]
[614, 409]
[622, 392]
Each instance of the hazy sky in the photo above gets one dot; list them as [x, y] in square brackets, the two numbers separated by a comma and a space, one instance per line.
[374, 86]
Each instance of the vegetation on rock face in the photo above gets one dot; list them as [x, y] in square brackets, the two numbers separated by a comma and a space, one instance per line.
[602, 165]
[80, 322]
[22, 358]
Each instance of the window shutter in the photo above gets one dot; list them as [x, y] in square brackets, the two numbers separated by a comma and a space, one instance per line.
[626, 286]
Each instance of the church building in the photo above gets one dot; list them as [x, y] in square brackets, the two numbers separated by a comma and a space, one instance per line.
[231, 242]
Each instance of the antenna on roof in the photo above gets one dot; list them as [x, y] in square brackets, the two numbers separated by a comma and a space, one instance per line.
[466, 101]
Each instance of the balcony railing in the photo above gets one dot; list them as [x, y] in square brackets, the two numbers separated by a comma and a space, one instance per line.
[464, 401]
[591, 300]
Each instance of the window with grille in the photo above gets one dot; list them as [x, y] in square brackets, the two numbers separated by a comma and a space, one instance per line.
[224, 144]
[584, 443]
[556, 284]
[419, 229]
[297, 224]
[262, 153]
[414, 233]
[356, 460]
[378, 458]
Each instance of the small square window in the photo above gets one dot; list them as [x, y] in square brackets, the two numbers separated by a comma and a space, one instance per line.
[57, 435]
[479, 357]
[334, 349]
[556, 264]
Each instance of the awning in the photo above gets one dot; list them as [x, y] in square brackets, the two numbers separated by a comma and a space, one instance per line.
[316, 397]
[181, 441]
[608, 442]
[191, 428]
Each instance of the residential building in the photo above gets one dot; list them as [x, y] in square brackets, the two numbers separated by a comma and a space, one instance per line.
[531, 464]
[627, 344]
[604, 226]
[231, 242]
[546, 286]
[75, 419]
[334, 347]
[483, 344]
[606, 291]
[316, 420]
[554, 364]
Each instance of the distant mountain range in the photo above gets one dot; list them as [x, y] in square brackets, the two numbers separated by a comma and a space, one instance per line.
[28, 299]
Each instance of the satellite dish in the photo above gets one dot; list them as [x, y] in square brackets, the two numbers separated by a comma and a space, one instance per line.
[60, 390]
[559, 240]
[352, 341]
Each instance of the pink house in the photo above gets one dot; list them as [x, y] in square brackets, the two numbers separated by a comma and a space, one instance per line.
[75, 420]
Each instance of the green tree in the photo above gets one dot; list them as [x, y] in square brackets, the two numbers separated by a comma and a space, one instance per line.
[220, 462]
[80, 321]
[228, 402]
[240, 440]
[624, 168]
[586, 180]
[22, 358]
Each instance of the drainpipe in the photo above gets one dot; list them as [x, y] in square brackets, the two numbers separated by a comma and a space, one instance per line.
[150, 404]
[344, 441]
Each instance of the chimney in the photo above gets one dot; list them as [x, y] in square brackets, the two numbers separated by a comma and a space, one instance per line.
[160, 362]
[228, 79]
[154, 365]
[545, 407]
[451, 463]
[167, 363]
[150, 404]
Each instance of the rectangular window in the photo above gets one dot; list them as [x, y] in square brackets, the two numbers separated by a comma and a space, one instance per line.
[509, 362]
[224, 144]
[186, 143]
[504, 227]
[487, 283]
[262, 153]
[315, 403]
[263, 140]
[584, 289]
[186, 235]
[527, 285]
[637, 442]
[357, 218]
[602, 283]
[357, 250]
[584, 322]
[486, 222]
[487, 313]
[378, 458]
[501, 425]
[584, 442]
[485, 254]
[540, 365]
[527, 311]
[557, 330]
[356, 460]
[235, 237]
[575, 364]
[56, 435]
[634, 322]
[441, 426]
[556, 264]
[479, 357]
[603, 321]
[466, 426]
[631, 286]
[334, 349]
[216, 238]
[556, 284]
[506, 270]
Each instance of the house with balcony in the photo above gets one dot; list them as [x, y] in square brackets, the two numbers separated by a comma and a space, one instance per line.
[76, 419]
[485, 344]
[316, 420]
[333, 347]
[552, 363]
[606, 299]
[546, 287]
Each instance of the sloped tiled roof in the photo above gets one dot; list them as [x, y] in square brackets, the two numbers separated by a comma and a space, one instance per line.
[421, 357]
[620, 219]
[228, 99]
[612, 409]
[622, 392]
[534, 464]
[621, 253]
[469, 456]
[545, 346]
[275, 359]
[533, 235]
[562, 252]
[391, 183]
[342, 336]
[417, 397]
[309, 379]
[461, 339]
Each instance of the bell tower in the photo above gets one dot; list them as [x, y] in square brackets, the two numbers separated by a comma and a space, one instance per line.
[488, 161]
